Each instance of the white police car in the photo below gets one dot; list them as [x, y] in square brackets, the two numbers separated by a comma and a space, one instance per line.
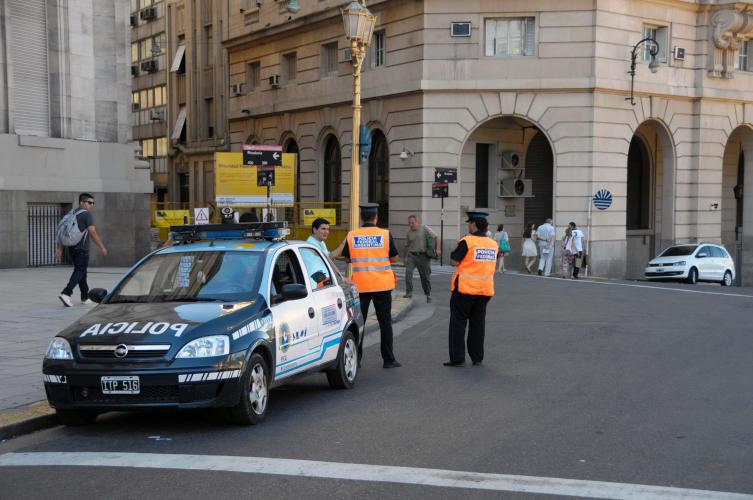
[216, 320]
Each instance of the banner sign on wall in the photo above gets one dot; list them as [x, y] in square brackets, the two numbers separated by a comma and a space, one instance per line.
[236, 183]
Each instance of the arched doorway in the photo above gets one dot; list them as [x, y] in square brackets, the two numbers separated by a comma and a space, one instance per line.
[507, 169]
[539, 164]
[379, 176]
[292, 147]
[737, 201]
[650, 196]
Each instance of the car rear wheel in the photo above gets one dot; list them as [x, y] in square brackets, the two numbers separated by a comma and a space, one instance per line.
[692, 276]
[343, 376]
[76, 418]
[252, 407]
[727, 280]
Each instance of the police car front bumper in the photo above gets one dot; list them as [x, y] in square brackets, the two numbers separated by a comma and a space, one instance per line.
[71, 385]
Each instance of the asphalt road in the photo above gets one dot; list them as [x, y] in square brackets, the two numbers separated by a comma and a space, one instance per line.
[583, 382]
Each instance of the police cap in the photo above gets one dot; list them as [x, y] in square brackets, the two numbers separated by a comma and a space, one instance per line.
[368, 209]
[474, 215]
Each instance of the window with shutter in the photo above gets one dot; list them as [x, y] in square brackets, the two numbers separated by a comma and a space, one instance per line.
[510, 37]
[28, 54]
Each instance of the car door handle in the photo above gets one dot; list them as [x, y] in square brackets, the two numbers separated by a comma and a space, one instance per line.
[339, 303]
[311, 312]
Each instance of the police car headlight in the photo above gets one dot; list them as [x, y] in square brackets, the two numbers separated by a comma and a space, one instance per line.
[206, 347]
[59, 349]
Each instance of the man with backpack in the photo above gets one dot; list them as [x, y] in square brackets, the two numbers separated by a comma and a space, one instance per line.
[75, 232]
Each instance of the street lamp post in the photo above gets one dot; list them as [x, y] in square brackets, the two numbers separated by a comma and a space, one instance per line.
[359, 27]
[653, 66]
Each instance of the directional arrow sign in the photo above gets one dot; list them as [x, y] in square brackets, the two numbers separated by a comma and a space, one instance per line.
[258, 155]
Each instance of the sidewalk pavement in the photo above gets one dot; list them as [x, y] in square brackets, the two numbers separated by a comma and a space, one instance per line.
[31, 315]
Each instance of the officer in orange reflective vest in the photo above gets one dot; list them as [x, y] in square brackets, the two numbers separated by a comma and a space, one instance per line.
[370, 251]
[472, 286]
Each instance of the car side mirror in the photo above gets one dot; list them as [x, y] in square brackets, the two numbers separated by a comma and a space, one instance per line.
[294, 291]
[97, 294]
[701, 255]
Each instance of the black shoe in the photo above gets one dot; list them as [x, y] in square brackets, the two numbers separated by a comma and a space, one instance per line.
[391, 364]
[477, 363]
[540, 273]
[454, 364]
[428, 299]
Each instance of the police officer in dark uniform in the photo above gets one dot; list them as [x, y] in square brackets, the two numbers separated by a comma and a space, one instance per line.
[472, 286]
[370, 251]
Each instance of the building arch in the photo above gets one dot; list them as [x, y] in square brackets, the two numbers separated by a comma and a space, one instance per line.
[290, 145]
[737, 200]
[378, 178]
[331, 169]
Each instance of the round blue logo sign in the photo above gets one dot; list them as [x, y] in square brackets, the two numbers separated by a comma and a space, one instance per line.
[603, 199]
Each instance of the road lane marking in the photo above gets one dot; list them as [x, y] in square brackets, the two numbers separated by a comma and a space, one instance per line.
[364, 472]
[633, 285]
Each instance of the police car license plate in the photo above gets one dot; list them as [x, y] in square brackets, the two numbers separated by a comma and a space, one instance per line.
[120, 385]
[660, 270]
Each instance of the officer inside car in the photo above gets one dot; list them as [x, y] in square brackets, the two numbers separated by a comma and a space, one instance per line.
[472, 286]
[370, 251]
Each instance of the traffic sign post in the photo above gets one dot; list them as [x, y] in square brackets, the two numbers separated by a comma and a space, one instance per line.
[441, 189]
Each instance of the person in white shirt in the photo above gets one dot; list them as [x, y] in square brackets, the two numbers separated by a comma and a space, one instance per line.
[319, 233]
[579, 244]
[546, 234]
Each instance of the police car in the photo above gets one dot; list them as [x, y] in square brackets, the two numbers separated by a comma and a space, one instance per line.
[216, 320]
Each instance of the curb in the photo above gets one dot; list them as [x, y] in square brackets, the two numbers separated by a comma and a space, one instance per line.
[396, 316]
[27, 419]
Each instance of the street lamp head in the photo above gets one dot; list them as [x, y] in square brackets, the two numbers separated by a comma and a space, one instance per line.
[359, 23]
[653, 66]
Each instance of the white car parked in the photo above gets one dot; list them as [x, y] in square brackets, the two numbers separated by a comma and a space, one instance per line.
[693, 263]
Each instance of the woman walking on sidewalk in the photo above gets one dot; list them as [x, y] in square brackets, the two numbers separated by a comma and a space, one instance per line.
[529, 248]
[503, 241]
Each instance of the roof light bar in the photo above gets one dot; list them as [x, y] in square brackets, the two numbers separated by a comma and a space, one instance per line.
[273, 231]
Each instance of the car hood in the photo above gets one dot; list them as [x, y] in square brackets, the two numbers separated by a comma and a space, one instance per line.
[671, 260]
[172, 322]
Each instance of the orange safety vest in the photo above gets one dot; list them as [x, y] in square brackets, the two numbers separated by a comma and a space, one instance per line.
[475, 274]
[369, 249]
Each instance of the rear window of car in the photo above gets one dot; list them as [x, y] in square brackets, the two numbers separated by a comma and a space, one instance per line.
[679, 250]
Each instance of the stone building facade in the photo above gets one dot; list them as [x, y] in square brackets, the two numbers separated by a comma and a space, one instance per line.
[529, 101]
[64, 128]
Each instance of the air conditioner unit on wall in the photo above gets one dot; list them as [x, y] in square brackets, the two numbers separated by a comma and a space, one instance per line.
[514, 187]
[237, 88]
[134, 20]
[149, 66]
[134, 70]
[512, 160]
[149, 13]
[274, 81]
[157, 114]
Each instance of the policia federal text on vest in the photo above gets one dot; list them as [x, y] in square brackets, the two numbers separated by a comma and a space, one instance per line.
[472, 286]
[371, 250]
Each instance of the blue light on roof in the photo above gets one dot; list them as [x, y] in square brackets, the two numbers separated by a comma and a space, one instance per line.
[252, 230]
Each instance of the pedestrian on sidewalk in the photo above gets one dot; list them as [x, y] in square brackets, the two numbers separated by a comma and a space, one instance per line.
[529, 248]
[472, 286]
[503, 240]
[579, 243]
[80, 251]
[568, 247]
[319, 234]
[546, 236]
[371, 250]
[420, 242]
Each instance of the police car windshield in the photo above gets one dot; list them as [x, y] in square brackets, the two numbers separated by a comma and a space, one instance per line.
[192, 277]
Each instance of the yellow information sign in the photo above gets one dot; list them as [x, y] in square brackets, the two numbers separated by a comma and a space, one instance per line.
[235, 183]
[309, 214]
[167, 218]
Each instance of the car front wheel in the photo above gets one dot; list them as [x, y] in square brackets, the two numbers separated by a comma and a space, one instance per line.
[252, 407]
[76, 418]
[343, 376]
[692, 276]
[727, 280]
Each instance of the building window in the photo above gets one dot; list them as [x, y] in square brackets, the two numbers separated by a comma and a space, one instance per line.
[328, 64]
[209, 115]
[482, 175]
[135, 52]
[745, 56]
[511, 36]
[661, 35]
[161, 147]
[377, 50]
[253, 76]
[289, 67]
[208, 46]
[332, 170]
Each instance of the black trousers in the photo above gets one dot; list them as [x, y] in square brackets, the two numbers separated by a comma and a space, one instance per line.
[78, 277]
[383, 308]
[467, 310]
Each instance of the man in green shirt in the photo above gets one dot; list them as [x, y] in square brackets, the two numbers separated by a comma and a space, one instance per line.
[319, 233]
[417, 257]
